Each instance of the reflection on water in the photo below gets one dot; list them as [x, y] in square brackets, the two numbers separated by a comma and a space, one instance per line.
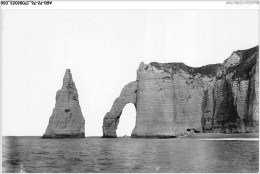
[128, 155]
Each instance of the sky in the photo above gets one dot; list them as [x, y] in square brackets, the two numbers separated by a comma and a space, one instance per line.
[103, 49]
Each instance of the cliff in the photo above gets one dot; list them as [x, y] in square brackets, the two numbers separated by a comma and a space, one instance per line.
[66, 120]
[171, 98]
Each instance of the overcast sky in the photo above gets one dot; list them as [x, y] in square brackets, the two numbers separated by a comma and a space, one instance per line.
[103, 49]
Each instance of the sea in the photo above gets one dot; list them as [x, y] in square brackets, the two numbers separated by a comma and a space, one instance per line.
[130, 155]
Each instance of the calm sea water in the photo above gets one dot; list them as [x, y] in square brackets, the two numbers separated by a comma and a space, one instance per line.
[33, 154]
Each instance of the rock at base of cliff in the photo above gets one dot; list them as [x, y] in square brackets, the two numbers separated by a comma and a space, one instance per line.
[153, 136]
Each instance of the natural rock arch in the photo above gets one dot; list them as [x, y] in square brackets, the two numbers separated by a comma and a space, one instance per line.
[111, 119]
[171, 98]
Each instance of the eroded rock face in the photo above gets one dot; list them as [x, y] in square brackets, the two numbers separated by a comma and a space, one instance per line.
[111, 119]
[155, 99]
[66, 120]
[169, 99]
[173, 97]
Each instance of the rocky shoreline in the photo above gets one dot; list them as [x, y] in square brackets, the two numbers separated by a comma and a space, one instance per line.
[201, 136]
[221, 135]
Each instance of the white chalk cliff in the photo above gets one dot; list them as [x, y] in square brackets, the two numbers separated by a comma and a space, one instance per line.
[171, 98]
[66, 120]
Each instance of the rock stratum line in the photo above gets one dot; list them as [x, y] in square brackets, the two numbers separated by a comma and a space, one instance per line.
[66, 120]
[171, 98]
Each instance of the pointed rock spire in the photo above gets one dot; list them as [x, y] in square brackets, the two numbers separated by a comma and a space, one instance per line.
[67, 80]
[66, 120]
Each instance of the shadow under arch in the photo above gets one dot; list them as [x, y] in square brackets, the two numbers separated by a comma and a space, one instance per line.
[111, 119]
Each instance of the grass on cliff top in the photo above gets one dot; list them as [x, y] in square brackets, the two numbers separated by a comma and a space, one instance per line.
[208, 70]
[248, 60]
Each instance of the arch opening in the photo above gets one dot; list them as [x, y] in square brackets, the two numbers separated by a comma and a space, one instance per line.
[127, 121]
[111, 119]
